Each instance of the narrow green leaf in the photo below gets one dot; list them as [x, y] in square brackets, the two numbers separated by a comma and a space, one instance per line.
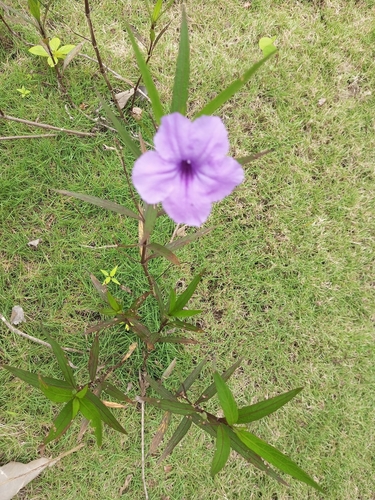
[159, 298]
[90, 411]
[123, 133]
[160, 389]
[239, 447]
[114, 304]
[172, 406]
[108, 205]
[191, 378]
[147, 79]
[61, 423]
[104, 413]
[115, 393]
[75, 408]
[263, 408]
[184, 298]
[62, 361]
[161, 250]
[172, 300]
[234, 87]
[34, 7]
[55, 394]
[156, 11]
[33, 379]
[82, 393]
[181, 79]
[185, 313]
[226, 398]
[211, 390]
[188, 239]
[150, 215]
[222, 450]
[178, 434]
[93, 358]
[184, 326]
[276, 458]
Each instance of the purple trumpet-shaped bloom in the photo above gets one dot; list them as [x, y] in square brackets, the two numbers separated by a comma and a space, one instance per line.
[189, 168]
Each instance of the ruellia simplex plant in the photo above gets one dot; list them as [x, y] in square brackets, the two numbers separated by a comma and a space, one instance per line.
[185, 171]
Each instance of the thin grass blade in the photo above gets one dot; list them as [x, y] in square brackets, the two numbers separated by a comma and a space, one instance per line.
[181, 79]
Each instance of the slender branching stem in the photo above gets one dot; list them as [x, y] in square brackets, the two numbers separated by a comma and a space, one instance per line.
[102, 68]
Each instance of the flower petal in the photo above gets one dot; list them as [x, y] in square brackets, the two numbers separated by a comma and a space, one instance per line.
[209, 137]
[172, 140]
[54, 44]
[153, 177]
[218, 179]
[186, 207]
[38, 50]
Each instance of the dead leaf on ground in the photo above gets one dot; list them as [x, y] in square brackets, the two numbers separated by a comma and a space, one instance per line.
[111, 404]
[72, 54]
[34, 243]
[18, 315]
[15, 475]
[322, 101]
[137, 113]
[123, 97]
[168, 469]
[125, 487]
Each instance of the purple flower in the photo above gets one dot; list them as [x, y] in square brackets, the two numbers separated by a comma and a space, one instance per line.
[189, 169]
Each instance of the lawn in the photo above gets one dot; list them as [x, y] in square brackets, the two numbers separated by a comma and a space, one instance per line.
[290, 266]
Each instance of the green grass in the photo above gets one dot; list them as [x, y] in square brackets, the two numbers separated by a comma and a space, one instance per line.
[290, 267]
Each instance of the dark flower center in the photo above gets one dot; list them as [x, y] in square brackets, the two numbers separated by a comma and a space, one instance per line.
[186, 169]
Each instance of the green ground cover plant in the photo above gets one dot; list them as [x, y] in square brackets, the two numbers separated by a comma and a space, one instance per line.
[289, 281]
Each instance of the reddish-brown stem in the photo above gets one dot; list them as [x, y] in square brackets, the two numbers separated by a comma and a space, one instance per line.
[102, 69]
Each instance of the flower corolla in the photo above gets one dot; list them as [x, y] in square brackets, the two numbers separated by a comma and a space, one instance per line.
[189, 168]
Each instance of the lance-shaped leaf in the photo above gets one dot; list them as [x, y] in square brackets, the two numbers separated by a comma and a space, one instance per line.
[104, 324]
[185, 313]
[172, 300]
[91, 413]
[61, 423]
[82, 393]
[226, 398]
[188, 239]
[75, 408]
[183, 326]
[276, 458]
[55, 394]
[159, 297]
[239, 447]
[123, 133]
[160, 389]
[191, 378]
[263, 408]
[162, 251]
[115, 393]
[104, 413]
[157, 10]
[184, 298]
[150, 216]
[62, 361]
[172, 406]
[113, 302]
[178, 434]
[233, 88]
[147, 79]
[222, 450]
[93, 358]
[160, 433]
[101, 289]
[141, 330]
[34, 7]
[181, 79]
[33, 379]
[211, 390]
[99, 202]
